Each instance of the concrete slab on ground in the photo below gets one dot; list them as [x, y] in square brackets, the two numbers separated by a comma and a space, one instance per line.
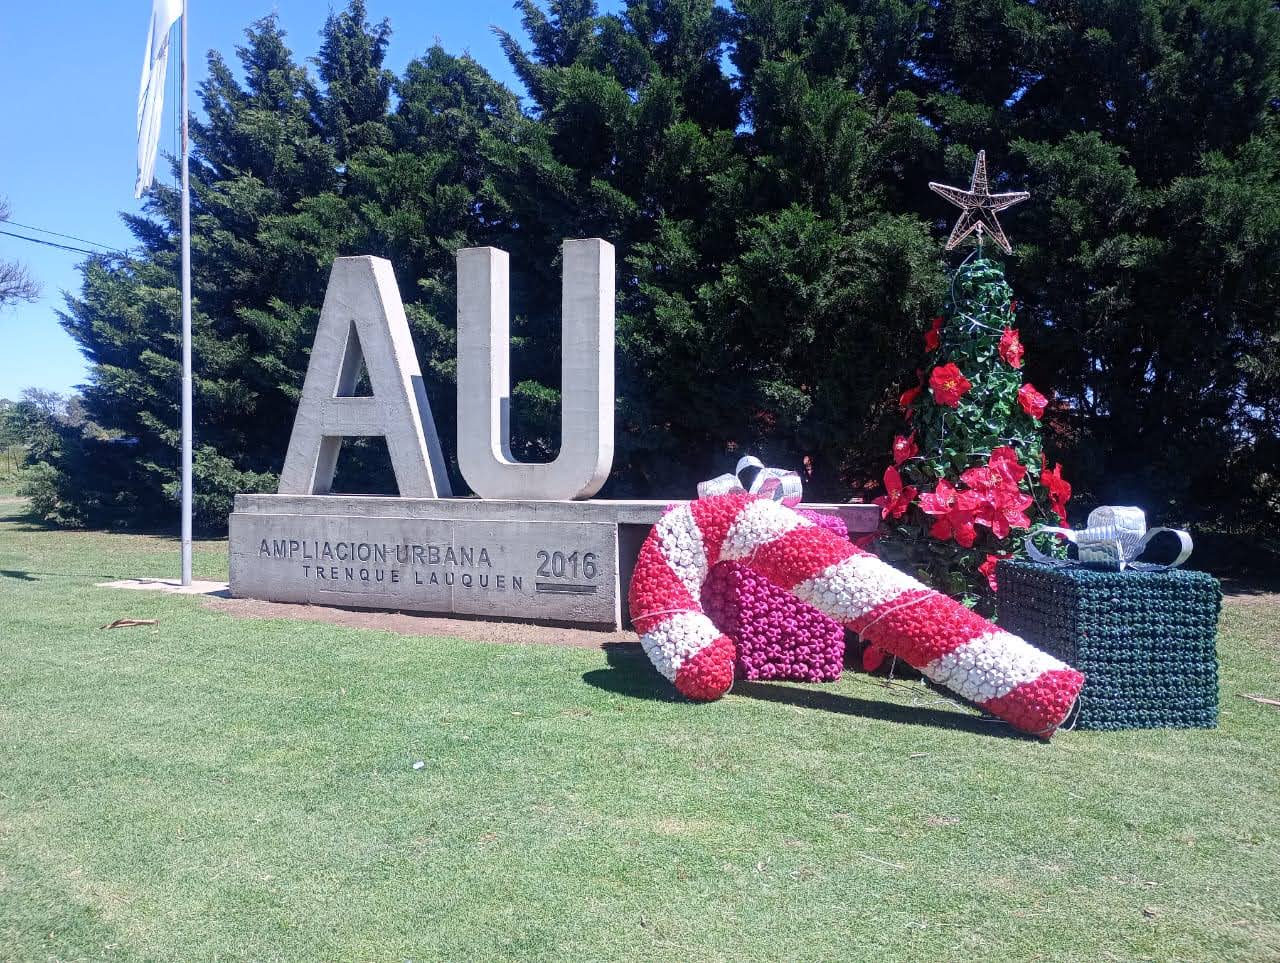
[568, 562]
[172, 586]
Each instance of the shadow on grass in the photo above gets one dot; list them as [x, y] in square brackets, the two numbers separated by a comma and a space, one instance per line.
[37, 576]
[630, 674]
[876, 709]
[30, 523]
[1254, 585]
[27, 521]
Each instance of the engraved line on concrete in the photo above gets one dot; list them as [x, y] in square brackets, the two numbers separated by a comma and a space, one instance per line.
[555, 588]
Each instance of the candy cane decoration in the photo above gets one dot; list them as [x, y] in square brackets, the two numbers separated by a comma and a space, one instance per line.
[946, 641]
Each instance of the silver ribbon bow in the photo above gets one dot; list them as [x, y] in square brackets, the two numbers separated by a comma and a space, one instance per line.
[1114, 537]
[777, 483]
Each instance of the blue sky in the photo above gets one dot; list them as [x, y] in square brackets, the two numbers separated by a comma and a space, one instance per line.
[67, 128]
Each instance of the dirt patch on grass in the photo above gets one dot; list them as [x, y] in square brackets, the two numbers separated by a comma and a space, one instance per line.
[409, 623]
[1251, 593]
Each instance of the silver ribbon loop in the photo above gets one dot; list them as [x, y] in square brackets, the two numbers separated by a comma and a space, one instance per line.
[777, 483]
[1113, 538]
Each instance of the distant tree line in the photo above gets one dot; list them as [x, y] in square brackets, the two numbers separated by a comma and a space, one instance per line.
[761, 169]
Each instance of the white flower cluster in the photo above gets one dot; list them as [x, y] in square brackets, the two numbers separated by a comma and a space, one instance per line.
[850, 589]
[990, 666]
[758, 523]
[681, 544]
[677, 639]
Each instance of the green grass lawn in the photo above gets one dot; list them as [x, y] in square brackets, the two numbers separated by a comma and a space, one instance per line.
[10, 470]
[213, 788]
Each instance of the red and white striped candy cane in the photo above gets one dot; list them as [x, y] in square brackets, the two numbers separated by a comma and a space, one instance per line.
[946, 641]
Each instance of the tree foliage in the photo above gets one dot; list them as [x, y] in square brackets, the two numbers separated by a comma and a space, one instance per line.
[16, 282]
[761, 169]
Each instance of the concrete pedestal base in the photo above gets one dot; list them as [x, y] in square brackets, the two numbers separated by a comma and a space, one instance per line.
[547, 561]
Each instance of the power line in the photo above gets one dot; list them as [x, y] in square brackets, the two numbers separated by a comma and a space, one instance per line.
[69, 237]
[62, 247]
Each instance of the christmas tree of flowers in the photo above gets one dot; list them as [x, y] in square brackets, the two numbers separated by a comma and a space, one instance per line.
[969, 478]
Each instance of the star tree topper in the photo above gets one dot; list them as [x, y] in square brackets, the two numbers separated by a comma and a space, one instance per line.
[978, 206]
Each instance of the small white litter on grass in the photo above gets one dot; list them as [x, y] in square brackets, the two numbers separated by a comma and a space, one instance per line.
[172, 586]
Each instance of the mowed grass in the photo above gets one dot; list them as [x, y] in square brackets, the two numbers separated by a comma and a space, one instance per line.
[220, 789]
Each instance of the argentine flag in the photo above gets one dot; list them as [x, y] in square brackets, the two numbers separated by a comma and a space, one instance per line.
[164, 14]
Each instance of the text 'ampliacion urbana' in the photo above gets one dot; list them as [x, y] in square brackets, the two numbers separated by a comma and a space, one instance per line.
[331, 561]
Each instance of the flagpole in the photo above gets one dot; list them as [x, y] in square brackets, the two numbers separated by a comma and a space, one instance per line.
[186, 320]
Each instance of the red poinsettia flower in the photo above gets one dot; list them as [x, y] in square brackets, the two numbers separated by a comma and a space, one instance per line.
[1002, 470]
[1004, 462]
[1059, 491]
[983, 485]
[1006, 511]
[954, 513]
[904, 447]
[1013, 305]
[1011, 347]
[957, 525]
[872, 657]
[981, 479]
[907, 399]
[948, 384]
[933, 337]
[897, 498]
[1033, 403]
[988, 568]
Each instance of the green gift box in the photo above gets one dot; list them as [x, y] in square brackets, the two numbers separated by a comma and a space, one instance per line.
[1143, 639]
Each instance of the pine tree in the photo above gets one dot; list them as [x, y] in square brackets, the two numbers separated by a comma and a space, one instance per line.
[258, 157]
[969, 479]
[634, 142]
[352, 112]
[287, 174]
[832, 268]
[761, 262]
